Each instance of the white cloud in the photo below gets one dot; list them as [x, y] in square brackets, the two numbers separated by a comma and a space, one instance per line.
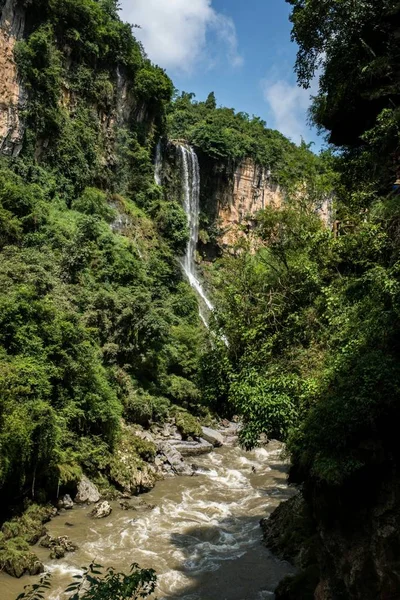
[289, 105]
[175, 33]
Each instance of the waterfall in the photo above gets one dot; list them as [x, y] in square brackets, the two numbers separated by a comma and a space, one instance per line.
[158, 164]
[191, 204]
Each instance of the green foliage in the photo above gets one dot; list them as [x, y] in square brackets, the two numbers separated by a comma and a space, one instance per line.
[95, 584]
[171, 221]
[93, 202]
[356, 46]
[311, 317]
[229, 137]
[266, 405]
[90, 329]
[88, 326]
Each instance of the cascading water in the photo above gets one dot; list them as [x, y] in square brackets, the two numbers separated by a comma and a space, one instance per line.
[158, 164]
[191, 204]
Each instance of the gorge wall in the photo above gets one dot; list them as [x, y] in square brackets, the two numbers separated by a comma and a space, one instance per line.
[12, 93]
[253, 190]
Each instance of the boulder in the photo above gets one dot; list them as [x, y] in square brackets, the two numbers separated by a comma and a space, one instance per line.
[101, 510]
[87, 492]
[174, 459]
[65, 502]
[18, 566]
[213, 437]
[17, 559]
[57, 552]
[58, 545]
[130, 470]
[193, 448]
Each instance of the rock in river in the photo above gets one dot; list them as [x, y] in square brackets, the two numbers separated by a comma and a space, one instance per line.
[193, 448]
[101, 510]
[213, 437]
[87, 492]
[65, 502]
[174, 458]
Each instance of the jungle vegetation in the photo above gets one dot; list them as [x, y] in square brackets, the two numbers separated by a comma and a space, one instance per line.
[312, 316]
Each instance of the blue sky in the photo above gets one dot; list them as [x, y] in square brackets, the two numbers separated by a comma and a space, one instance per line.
[240, 50]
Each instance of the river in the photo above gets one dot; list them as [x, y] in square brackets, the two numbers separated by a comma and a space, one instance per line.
[201, 534]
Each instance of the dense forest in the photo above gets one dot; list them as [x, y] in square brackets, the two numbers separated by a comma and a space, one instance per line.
[99, 328]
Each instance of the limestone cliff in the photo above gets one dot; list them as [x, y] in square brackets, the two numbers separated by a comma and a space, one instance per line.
[12, 93]
[252, 191]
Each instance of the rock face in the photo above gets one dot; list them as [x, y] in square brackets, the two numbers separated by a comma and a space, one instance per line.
[12, 94]
[344, 540]
[101, 510]
[358, 528]
[252, 191]
[87, 492]
[213, 437]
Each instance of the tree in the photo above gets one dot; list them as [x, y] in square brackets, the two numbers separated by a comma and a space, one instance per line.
[211, 102]
[353, 47]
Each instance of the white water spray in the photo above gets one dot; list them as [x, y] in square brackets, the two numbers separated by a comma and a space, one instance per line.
[191, 204]
[158, 164]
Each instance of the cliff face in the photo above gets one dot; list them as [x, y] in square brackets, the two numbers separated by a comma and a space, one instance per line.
[359, 554]
[61, 84]
[12, 93]
[344, 540]
[252, 191]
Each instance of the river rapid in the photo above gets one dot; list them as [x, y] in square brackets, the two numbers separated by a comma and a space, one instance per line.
[201, 534]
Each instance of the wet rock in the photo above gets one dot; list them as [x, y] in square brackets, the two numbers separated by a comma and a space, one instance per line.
[87, 492]
[45, 541]
[59, 546]
[174, 459]
[30, 564]
[213, 437]
[193, 448]
[65, 502]
[57, 552]
[126, 505]
[101, 510]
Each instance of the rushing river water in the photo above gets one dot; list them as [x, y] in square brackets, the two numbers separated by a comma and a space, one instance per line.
[202, 536]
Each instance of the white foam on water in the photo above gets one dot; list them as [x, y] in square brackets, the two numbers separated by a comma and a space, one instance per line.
[264, 595]
[63, 569]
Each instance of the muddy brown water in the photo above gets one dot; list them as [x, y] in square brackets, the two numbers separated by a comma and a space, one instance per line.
[203, 537]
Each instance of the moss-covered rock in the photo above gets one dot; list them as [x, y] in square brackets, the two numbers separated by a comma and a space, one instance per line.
[16, 557]
[128, 469]
[30, 525]
[187, 424]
